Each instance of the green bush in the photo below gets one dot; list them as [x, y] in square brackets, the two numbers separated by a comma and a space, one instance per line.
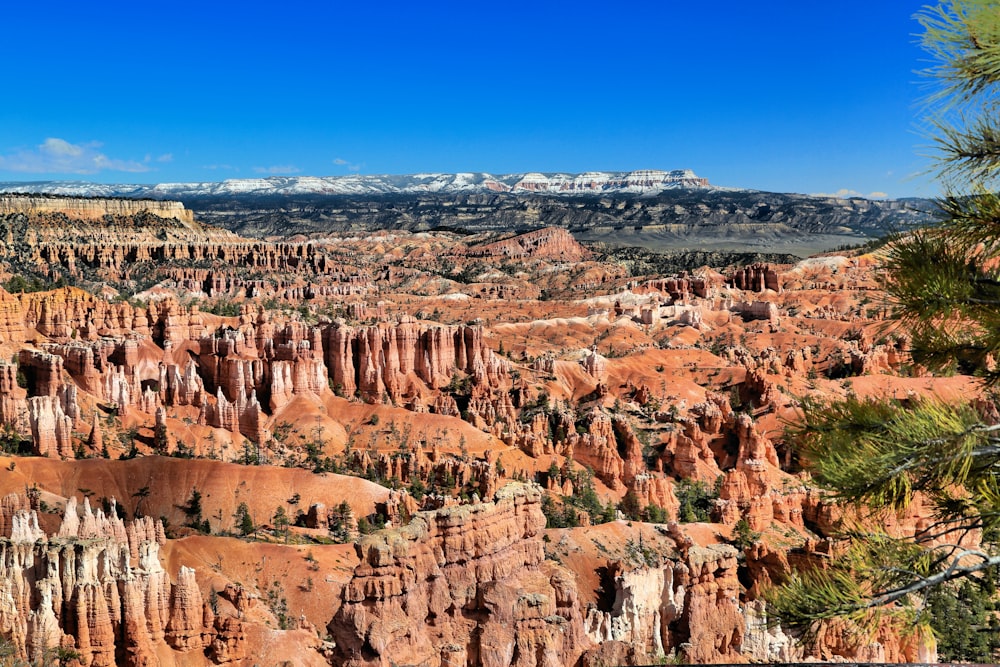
[695, 500]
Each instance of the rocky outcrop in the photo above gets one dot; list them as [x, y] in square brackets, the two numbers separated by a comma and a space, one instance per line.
[80, 208]
[598, 449]
[756, 278]
[51, 427]
[462, 585]
[97, 588]
[242, 415]
[11, 319]
[596, 366]
[686, 605]
[712, 615]
[186, 629]
[105, 239]
[13, 399]
[385, 360]
[757, 310]
[680, 288]
[42, 372]
[551, 243]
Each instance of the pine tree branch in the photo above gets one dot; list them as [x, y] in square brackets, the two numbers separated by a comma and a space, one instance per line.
[954, 571]
[911, 464]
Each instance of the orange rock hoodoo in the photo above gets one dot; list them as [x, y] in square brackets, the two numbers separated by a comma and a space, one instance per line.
[97, 587]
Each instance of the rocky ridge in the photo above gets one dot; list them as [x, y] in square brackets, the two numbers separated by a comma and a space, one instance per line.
[130, 243]
[95, 209]
[650, 209]
[550, 243]
[646, 180]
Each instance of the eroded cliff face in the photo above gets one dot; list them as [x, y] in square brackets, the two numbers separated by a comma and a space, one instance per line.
[124, 241]
[96, 587]
[470, 585]
[461, 586]
[94, 208]
[377, 360]
[236, 376]
[687, 604]
[550, 243]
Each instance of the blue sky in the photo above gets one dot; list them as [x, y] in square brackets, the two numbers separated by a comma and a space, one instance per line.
[776, 95]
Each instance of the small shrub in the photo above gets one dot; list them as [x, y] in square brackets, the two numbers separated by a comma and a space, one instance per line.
[695, 500]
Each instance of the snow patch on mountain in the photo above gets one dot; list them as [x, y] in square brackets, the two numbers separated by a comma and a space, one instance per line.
[647, 181]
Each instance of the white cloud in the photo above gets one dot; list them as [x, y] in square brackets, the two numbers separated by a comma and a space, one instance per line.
[278, 169]
[846, 193]
[224, 167]
[341, 162]
[166, 157]
[58, 156]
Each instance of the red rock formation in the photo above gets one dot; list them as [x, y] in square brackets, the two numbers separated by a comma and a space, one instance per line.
[463, 585]
[13, 403]
[650, 489]
[244, 415]
[553, 243]
[51, 428]
[186, 629]
[688, 605]
[756, 278]
[43, 371]
[598, 448]
[384, 360]
[99, 589]
[712, 614]
[757, 310]
[61, 312]
[688, 453]
[681, 288]
[11, 319]
[596, 366]
[753, 490]
[181, 386]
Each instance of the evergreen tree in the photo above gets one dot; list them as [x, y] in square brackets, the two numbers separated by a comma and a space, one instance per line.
[944, 287]
[244, 522]
[340, 522]
[192, 510]
[281, 521]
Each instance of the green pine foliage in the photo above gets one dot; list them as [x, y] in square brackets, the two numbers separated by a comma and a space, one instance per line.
[583, 500]
[695, 498]
[244, 520]
[964, 620]
[875, 455]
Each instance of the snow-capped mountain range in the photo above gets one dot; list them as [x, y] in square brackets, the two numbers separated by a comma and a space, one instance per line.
[648, 181]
